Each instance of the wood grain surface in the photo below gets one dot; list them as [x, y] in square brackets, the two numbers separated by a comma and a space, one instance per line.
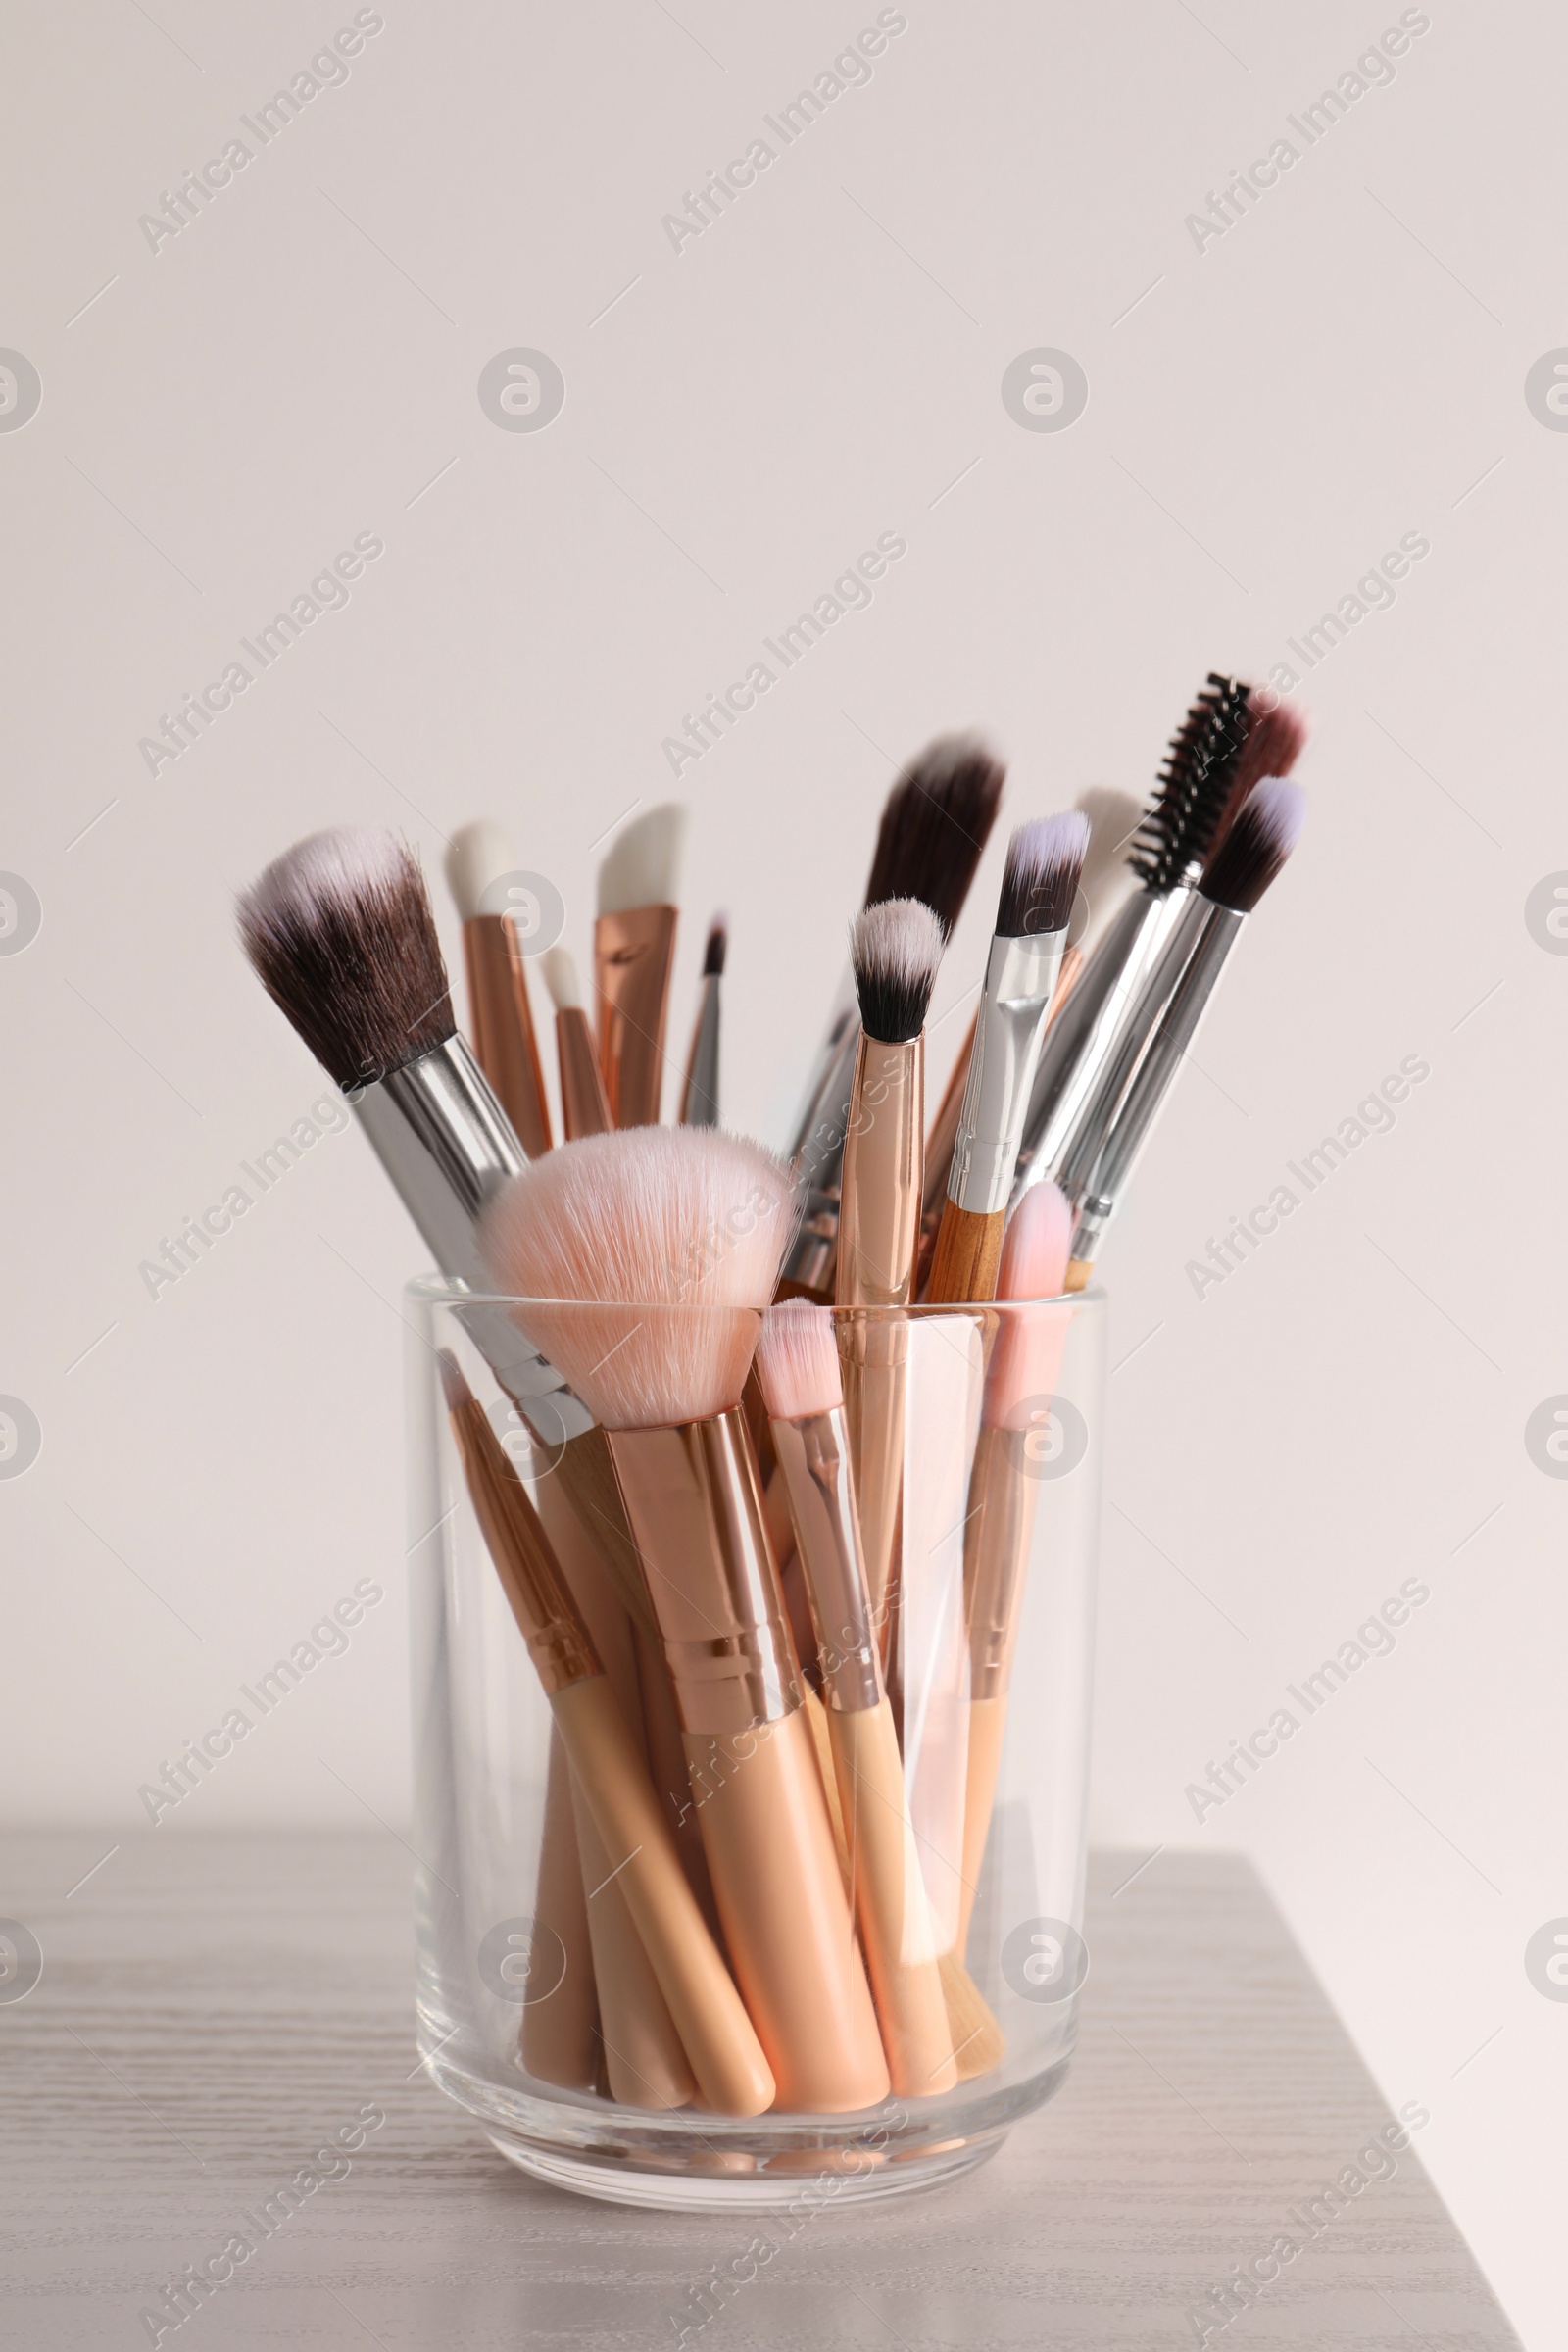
[213, 2009]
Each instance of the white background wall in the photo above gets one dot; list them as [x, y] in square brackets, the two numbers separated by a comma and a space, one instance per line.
[1266, 418]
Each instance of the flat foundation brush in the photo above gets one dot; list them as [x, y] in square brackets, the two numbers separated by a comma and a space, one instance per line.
[634, 953]
[1253, 853]
[934, 830]
[1188, 806]
[895, 947]
[478, 861]
[690, 1224]
[1039, 888]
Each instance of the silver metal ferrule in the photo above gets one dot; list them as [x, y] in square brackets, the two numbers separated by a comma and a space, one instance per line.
[448, 1146]
[1021, 982]
[1066, 1102]
[1183, 983]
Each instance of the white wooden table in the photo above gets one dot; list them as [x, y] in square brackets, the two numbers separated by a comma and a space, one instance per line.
[212, 2008]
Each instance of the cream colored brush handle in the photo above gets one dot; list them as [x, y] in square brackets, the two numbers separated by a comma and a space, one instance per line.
[560, 2034]
[726, 2056]
[988, 1718]
[875, 1382]
[889, 1902]
[644, 2060]
[786, 1919]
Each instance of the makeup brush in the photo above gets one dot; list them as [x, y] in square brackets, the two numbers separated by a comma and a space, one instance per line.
[1251, 854]
[690, 1224]
[608, 1770]
[340, 933]
[1039, 888]
[1189, 803]
[699, 1101]
[1004, 1490]
[480, 860]
[895, 949]
[584, 1104]
[934, 829]
[798, 1365]
[634, 950]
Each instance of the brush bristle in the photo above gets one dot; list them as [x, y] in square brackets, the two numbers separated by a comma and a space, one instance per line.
[340, 932]
[1276, 738]
[1039, 881]
[561, 978]
[642, 866]
[1026, 1359]
[798, 1361]
[477, 855]
[717, 948]
[895, 949]
[669, 1240]
[936, 825]
[1263, 832]
[1194, 786]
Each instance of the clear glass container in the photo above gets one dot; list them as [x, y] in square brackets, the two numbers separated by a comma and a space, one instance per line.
[973, 1439]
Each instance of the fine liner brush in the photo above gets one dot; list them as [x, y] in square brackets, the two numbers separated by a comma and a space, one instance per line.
[726, 2057]
[895, 949]
[1039, 888]
[690, 1224]
[798, 1364]
[634, 950]
[934, 829]
[699, 1098]
[478, 861]
[584, 1104]
[1189, 804]
[340, 932]
[1255, 846]
[1004, 1490]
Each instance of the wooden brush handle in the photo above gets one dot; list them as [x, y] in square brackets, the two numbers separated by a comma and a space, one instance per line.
[968, 1251]
[726, 2054]
[1078, 1270]
[889, 1902]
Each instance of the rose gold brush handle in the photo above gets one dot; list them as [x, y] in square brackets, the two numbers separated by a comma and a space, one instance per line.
[584, 1104]
[502, 1021]
[633, 951]
[786, 1921]
[726, 2052]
